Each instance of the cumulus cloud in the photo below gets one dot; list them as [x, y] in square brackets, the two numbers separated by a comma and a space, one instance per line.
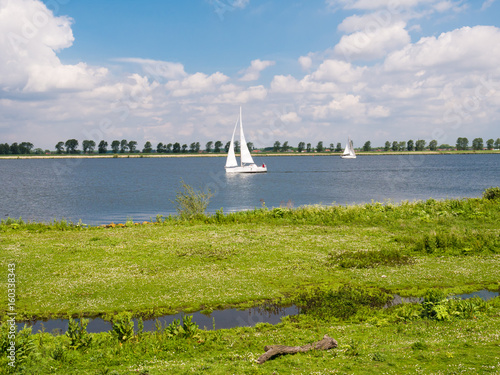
[305, 62]
[252, 73]
[196, 83]
[31, 37]
[157, 69]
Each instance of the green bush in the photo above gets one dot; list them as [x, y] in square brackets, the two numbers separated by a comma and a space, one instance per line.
[123, 326]
[190, 203]
[492, 193]
[77, 333]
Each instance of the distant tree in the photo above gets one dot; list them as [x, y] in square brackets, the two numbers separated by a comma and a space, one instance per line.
[115, 146]
[477, 144]
[14, 148]
[387, 146]
[197, 147]
[395, 146]
[192, 147]
[160, 148]
[132, 146]
[332, 147]
[308, 147]
[148, 148]
[402, 146]
[25, 147]
[497, 143]
[226, 147]
[250, 146]
[410, 146]
[433, 145]
[285, 147]
[168, 148]
[489, 144]
[420, 145]
[208, 146]
[102, 147]
[123, 146]
[277, 146]
[217, 146]
[39, 151]
[319, 147]
[59, 147]
[339, 147]
[71, 145]
[176, 148]
[462, 143]
[367, 146]
[88, 146]
[184, 148]
[4, 148]
[301, 146]
[236, 146]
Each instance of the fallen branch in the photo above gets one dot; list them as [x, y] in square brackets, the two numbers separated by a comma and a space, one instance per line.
[274, 350]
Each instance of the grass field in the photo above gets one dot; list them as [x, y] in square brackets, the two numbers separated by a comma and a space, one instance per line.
[308, 255]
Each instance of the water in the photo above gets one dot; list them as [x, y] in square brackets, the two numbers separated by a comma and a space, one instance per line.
[228, 318]
[99, 191]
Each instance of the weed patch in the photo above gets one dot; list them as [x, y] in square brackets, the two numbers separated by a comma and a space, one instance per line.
[369, 259]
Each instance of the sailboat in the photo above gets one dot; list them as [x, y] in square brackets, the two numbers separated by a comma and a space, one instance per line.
[348, 151]
[247, 163]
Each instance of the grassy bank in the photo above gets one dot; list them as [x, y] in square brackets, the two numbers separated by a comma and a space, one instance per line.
[339, 263]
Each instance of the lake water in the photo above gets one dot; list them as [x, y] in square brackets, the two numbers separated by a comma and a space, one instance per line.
[99, 191]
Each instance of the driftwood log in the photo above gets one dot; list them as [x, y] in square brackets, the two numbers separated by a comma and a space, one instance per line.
[274, 350]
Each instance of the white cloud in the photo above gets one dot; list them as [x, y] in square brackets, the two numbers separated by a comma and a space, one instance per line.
[470, 48]
[290, 117]
[196, 83]
[337, 71]
[372, 43]
[252, 73]
[305, 62]
[157, 69]
[487, 4]
[31, 36]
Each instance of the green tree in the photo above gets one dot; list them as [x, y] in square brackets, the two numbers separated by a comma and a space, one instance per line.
[285, 147]
[168, 148]
[462, 143]
[184, 148]
[339, 147]
[160, 148]
[332, 147]
[217, 146]
[395, 146]
[489, 144]
[148, 148]
[497, 143]
[367, 146]
[308, 147]
[25, 147]
[276, 146]
[477, 144]
[208, 146]
[433, 145]
[88, 146]
[132, 146]
[14, 148]
[226, 147]
[301, 146]
[319, 147]
[115, 146]
[123, 146]
[4, 148]
[192, 147]
[102, 147]
[387, 146]
[71, 145]
[236, 146]
[250, 146]
[410, 146]
[402, 146]
[60, 147]
[176, 148]
[420, 145]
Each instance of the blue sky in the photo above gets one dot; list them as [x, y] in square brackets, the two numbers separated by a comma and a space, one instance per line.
[317, 70]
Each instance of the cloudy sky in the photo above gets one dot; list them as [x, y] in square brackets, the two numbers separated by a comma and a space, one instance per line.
[303, 70]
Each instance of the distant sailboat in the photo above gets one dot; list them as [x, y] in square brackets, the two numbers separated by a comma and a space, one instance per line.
[247, 163]
[348, 151]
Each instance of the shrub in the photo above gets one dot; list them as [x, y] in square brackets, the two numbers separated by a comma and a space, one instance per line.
[492, 193]
[190, 203]
[77, 333]
[123, 326]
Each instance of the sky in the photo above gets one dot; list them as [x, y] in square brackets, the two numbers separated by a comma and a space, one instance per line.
[302, 71]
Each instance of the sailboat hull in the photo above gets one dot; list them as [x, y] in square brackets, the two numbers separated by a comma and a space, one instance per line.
[348, 156]
[247, 169]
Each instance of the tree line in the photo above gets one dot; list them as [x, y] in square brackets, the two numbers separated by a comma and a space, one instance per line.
[124, 146]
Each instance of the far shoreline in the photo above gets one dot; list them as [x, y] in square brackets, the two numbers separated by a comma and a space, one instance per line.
[170, 155]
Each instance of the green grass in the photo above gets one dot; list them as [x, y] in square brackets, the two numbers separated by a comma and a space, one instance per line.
[339, 263]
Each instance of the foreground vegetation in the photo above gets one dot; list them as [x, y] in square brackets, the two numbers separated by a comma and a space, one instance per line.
[340, 264]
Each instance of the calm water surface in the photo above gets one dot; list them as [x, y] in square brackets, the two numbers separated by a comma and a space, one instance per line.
[112, 190]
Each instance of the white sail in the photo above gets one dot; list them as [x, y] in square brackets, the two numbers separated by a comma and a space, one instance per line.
[349, 150]
[246, 157]
[231, 157]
